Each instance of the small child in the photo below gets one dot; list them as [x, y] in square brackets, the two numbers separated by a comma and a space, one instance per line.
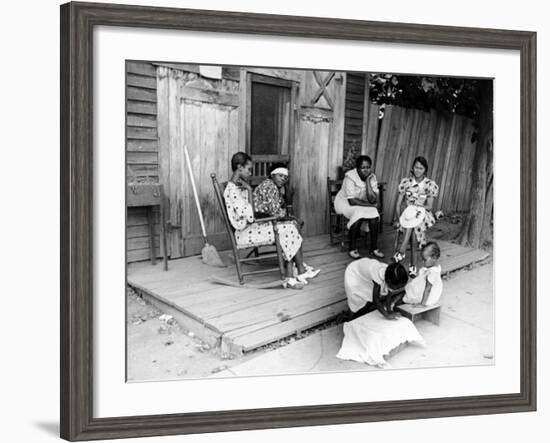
[366, 280]
[427, 287]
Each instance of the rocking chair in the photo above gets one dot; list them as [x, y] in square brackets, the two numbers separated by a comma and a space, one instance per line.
[258, 256]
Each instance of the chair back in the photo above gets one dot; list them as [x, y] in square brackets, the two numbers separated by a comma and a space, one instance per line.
[333, 187]
[219, 189]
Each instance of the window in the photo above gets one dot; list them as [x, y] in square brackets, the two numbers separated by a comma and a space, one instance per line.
[270, 115]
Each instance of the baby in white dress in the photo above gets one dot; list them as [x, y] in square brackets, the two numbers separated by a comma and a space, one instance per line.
[427, 287]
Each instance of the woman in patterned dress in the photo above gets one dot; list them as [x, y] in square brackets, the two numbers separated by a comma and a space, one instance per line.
[250, 232]
[269, 202]
[417, 190]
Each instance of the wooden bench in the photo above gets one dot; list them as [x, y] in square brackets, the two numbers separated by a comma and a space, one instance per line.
[415, 312]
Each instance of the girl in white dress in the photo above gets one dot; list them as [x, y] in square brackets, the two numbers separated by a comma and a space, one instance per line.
[426, 288]
[357, 200]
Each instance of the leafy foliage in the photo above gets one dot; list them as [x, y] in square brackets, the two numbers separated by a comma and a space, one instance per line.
[444, 94]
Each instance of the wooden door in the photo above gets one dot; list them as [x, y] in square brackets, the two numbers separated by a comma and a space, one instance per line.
[203, 116]
[318, 145]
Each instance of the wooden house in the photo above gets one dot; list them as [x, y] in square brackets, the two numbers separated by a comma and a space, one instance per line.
[316, 121]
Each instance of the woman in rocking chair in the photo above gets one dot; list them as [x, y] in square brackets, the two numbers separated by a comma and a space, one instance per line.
[249, 231]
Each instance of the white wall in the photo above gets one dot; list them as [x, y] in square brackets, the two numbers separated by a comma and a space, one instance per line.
[29, 287]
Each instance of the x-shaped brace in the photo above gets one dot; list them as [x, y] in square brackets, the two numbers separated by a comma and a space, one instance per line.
[323, 83]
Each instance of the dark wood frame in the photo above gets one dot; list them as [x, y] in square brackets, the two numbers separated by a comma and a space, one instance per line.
[77, 24]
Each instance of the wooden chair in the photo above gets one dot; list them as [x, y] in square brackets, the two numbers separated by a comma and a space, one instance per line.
[260, 254]
[337, 223]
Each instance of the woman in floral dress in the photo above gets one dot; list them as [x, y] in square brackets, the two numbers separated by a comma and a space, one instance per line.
[417, 190]
[269, 202]
[250, 232]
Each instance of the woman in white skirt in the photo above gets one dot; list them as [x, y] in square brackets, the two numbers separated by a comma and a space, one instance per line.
[357, 200]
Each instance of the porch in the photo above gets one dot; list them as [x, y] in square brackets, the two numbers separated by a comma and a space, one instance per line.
[242, 319]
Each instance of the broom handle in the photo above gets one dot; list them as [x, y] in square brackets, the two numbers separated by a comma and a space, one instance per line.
[194, 190]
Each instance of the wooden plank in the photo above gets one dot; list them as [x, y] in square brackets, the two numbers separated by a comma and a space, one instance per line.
[336, 156]
[138, 216]
[175, 143]
[287, 328]
[136, 107]
[137, 173]
[290, 307]
[141, 68]
[287, 74]
[149, 158]
[144, 121]
[209, 96]
[164, 143]
[141, 81]
[142, 145]
[446, 165]
[142, 243]
[217, 303]
[366, 114]
[141, 94]
[354, 106]
[140, 255]
[353, 114]
[141, 230]
[141, 133]
[372, 133]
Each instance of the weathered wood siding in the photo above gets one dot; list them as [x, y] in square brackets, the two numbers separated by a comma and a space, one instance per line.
[141, 152]
[353, 128]
[201, 114]
[443, 139]
[318, 150]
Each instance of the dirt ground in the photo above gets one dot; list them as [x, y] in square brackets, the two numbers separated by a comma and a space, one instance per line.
[159, 349]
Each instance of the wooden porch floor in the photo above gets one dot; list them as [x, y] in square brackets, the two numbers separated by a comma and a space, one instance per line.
[242, 319]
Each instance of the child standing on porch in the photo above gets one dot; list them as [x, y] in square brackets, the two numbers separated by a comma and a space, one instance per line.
[427, 287]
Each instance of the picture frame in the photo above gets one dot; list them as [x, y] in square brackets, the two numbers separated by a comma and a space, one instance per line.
[77, 211]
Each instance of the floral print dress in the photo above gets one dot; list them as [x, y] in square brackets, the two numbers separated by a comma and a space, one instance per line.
[248, 232]
[417, 194]
[269, 201]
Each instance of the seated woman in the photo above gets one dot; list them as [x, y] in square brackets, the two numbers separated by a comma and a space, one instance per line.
[269, 202]
[248, 231]
[417, 190]
[357, 200]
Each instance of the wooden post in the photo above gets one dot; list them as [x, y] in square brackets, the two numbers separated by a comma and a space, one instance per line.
[366, 107]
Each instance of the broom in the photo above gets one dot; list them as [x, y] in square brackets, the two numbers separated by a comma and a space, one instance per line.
[209, 253]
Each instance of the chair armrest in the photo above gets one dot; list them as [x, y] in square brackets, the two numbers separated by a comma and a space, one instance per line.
[267, 219]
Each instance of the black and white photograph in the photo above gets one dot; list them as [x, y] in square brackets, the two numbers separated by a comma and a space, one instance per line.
[287, 221]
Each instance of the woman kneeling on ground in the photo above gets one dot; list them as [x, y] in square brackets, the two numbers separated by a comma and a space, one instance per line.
[250, 232]
[367, 281]
[357, 200]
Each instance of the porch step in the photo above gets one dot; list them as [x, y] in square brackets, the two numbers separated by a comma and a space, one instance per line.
[253, 340]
